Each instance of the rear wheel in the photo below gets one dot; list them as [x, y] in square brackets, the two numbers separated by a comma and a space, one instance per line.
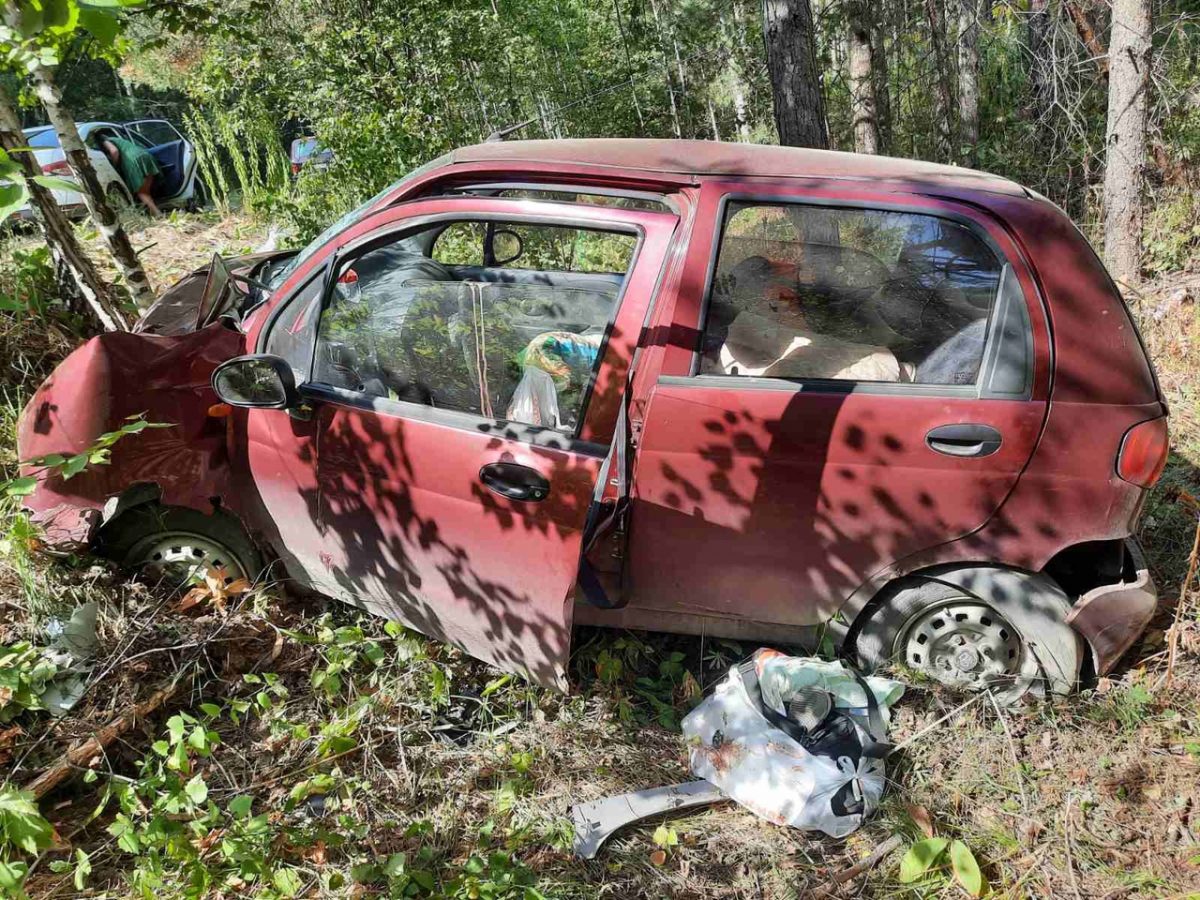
[953, 638]
[181, 546]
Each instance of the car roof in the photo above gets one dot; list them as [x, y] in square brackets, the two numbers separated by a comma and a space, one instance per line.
[717, 158]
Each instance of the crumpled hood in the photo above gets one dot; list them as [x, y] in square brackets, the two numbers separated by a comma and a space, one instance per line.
[174, 313]
[101, 385]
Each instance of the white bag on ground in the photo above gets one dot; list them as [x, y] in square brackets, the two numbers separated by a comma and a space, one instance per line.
[826, 779]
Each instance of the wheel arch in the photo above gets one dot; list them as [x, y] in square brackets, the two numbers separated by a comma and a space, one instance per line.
[1031, 601]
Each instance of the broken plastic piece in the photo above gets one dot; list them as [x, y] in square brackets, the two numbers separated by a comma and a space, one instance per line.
[595, 822]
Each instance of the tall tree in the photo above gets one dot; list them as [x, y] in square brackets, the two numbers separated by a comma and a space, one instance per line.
[862, 80]
[1125, 137]
[881, 76]
[968, 79]
[60, 237]
[795, 75]
[35, 33]
[944, 111]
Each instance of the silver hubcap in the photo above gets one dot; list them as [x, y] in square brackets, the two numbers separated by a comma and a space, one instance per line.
[967, 646]
[186, 559]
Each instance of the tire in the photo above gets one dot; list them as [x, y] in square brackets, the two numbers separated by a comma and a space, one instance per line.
[181, 544]
[952, 637]
[199, 199]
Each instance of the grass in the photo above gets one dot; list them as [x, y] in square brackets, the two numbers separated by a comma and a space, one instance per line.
[320, 753]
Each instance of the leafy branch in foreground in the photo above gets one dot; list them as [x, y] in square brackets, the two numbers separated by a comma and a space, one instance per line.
[67, 467]
[22, 829]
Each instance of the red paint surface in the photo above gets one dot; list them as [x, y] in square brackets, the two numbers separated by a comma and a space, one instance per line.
[777, 505]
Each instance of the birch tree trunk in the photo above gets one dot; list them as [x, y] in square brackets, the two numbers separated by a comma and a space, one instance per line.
[1129, 74]
[941, 81]
[968, 78]
[60, 237]
[883, 92]
[862, 82]
[735, 75]
[795, 75]
[105, 218]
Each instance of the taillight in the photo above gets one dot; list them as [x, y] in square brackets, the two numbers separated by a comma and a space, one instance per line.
[61, 167]
[295, 168]
[1143, 452]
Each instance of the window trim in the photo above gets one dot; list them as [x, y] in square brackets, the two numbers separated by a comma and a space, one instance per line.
[460, 419]
[467, 188]
[827, 385]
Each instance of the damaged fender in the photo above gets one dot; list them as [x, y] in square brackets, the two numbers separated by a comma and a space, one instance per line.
[96, 389]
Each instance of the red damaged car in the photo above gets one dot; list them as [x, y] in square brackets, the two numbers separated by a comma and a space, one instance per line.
[743, 391]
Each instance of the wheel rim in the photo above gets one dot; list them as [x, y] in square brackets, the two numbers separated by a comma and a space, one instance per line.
[968, 646]
[185, 559]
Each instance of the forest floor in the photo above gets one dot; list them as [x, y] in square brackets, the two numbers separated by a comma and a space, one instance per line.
[378, 763]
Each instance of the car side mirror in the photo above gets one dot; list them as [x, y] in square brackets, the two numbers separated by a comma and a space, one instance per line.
[507, 246]
[258, 380]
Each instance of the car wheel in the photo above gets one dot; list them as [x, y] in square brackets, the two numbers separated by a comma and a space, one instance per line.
[199, 198]
[953, 638]
[180, 546]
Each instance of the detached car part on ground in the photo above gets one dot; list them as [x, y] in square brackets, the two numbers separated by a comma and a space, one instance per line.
[891, 403]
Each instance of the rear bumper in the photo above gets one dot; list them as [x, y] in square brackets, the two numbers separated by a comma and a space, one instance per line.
[1112, 616]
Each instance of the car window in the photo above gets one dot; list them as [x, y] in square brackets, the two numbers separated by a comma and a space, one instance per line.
[156, 132]
[348, 221]
[292, 333]
[490, 341]
[42, 139]
[854, 294]
[541, 248]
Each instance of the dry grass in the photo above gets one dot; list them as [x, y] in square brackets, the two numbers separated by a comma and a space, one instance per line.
[1095, 798]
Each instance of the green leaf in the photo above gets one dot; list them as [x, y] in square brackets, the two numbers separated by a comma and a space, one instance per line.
[966, 869]
[21, 487]
[211, 710]
[12, 198]
[239, 807]
[74, 466]
[287, 882]
[83, 868]
[23, 822]
[175, 728]
[395, 865]
[12, 876]
[920, 858]
[100, 24]
[423, 878]
[52, 183]
[196, 790]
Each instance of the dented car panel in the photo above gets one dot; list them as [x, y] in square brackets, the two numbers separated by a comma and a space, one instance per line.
[1112, 616]
[95, 390]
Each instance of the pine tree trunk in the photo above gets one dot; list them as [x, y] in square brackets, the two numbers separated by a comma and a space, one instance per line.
[1129, 75]
[968, 78]
[105, 218]
[941, 81]
[98, 305]
[862, 82]
[795, 75]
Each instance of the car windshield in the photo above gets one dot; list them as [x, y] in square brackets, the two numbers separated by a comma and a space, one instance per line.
[42, 139]
[347, 221]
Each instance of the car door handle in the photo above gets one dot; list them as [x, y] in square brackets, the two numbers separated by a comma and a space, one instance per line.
[966, 439]
[515, 482]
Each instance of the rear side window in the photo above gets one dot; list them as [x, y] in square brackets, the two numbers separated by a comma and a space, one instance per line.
[156, 132]
[848, 294]
[43, 139]
[457, 331]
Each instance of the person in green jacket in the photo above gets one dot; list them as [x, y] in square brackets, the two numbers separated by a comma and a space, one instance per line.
[137, 167]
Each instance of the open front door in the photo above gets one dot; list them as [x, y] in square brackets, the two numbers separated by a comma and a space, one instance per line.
[461, 415]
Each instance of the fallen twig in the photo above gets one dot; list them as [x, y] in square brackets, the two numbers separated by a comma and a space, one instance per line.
[869, 863]
[82, 753]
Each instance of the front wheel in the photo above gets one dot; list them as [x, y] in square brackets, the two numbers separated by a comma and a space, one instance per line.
[181, 546]
[953, 638]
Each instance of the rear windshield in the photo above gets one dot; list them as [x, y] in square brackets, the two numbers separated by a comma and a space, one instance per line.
[41, 139]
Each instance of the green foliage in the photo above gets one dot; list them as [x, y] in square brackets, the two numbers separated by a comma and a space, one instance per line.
[928, 858]
[22, 830]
